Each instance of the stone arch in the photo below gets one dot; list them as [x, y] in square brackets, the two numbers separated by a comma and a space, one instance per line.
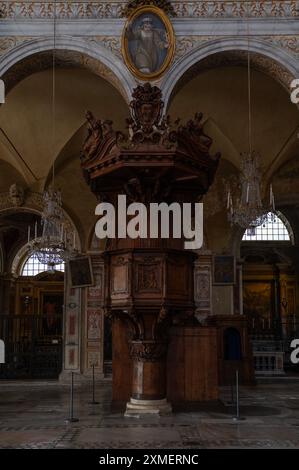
[19, 260]
[35, 55]
[266, 57]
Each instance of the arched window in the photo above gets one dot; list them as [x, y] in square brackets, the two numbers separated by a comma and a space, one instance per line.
[32, 267]
[277, 230]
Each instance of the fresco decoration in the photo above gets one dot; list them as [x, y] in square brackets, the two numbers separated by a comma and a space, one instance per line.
[148, 43]
[93, 324]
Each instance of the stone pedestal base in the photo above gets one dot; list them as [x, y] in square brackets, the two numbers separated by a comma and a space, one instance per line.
[139, 408]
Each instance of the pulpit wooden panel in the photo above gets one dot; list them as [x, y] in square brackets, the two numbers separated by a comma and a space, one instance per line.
[121, 363]
[192, 365]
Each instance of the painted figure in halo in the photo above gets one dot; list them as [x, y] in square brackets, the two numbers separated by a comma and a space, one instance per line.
[150, 44]
[50, 311]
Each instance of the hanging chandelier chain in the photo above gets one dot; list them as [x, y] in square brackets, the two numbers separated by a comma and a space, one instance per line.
[249, 210]
[54, 91]
[57, 242]
[249, 83]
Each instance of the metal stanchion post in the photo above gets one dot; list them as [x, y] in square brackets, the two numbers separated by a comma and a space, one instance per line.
[71, 418]
[232, 393]
[93, 402]
[237, 396]
[237, 416]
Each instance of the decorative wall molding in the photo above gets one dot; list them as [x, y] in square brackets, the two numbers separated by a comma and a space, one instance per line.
[289, 43]
[32, 201]
[182, 9]
[113, 43]
[235, 9]
[203, 285]
[72, 326]
[10, 42]
[184, 44]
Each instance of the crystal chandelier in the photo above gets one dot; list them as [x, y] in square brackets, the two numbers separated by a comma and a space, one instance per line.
[249, 212]
[57, 242]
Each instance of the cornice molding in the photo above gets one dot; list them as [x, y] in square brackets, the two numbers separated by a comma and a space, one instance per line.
[217, 27]
[114, 9]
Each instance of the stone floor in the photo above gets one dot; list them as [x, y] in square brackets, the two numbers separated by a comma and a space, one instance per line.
[32, 415]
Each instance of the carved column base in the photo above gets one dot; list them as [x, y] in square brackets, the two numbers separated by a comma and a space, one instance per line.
[149, 370]
[138, 408]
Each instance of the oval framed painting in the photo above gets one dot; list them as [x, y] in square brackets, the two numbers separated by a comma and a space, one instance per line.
[148, 42]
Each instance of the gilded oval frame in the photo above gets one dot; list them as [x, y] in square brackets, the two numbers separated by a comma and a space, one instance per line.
[171, 40]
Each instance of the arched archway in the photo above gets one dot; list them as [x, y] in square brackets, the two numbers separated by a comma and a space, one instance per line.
[35, 55]
[88, 76]
[266, 57]
[32, 308]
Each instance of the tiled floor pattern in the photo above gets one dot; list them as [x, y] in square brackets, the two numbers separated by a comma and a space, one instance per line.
[34, 416]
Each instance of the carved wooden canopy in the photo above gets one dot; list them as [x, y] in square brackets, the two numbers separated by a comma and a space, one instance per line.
[154, 152]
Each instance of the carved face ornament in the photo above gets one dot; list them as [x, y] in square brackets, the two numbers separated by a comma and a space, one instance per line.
[147, 113]
[16, 195]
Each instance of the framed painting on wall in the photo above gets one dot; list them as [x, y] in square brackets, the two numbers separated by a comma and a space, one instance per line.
[224, 270]
[81, 272]
[148, 42]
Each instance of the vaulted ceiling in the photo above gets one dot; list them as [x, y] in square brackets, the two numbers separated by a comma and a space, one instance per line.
[27, 149]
